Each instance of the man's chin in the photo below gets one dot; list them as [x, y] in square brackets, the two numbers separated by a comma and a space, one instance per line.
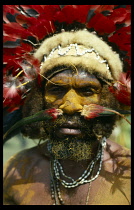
[71, 148]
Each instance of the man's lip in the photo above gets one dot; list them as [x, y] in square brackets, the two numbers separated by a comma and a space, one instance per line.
[70, 128]
[70, 124]
[70, 131]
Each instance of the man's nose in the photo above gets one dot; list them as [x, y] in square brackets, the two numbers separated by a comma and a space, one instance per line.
[71, 102]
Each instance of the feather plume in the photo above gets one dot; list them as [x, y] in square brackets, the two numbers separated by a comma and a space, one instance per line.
[15, 30]
[122, 89]
[122, 38]
[24, 22]
[118, 15]
[102, 24]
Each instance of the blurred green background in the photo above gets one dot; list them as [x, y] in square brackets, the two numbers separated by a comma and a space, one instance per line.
[121, 135]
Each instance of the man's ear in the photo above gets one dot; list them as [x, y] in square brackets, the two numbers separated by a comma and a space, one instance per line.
[33, 104]
[107, 99]
[34, 101]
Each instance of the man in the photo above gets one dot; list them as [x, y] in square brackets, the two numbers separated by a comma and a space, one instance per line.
[76, 164]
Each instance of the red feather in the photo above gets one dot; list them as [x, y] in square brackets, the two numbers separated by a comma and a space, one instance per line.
[128, 8]
[42, 28]
[13, 103]
[21, 19]
[118, 15]
[23, 49]
[122, 89]
[20, 57]
[91, 111]
[60, 17]
[15, 30]
[103, 8]
[127, 20]
[72, 13]
[8, 9]
[49, 11]
[101, 24]
[37, 8]
[11, 9]
[54, 113]
[122, 38]
[45, 11]
[9, 38]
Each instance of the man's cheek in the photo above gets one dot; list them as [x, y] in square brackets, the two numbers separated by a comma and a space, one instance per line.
[52, 101]
[94, 99]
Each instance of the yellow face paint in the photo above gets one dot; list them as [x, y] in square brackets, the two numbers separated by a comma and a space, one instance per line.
[70, 92]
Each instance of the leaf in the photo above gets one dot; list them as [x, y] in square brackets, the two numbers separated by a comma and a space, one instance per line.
[50, 114]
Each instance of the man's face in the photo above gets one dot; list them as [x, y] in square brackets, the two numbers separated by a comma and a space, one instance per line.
[70, 92]
[71, 135]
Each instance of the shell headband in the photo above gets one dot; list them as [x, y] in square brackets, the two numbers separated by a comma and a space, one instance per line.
[79, 48]
[73, 50]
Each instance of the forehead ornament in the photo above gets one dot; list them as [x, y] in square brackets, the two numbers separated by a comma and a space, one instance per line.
[74, 50]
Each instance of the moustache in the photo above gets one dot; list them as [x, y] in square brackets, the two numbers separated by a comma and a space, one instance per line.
[73, 121]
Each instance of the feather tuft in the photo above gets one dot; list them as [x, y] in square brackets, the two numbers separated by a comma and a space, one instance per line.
[122, 89]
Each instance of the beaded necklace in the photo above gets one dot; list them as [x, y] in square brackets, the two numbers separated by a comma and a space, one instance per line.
[57, 172]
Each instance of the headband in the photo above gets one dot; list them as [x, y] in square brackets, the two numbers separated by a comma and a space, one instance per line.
[79, 48]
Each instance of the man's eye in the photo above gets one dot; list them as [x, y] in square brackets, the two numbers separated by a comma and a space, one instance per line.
[57, 89]
[87, 91]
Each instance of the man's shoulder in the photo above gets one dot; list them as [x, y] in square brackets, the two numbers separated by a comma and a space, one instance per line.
[119, 154]
[23, 172]
[117, 149]
[25, 159]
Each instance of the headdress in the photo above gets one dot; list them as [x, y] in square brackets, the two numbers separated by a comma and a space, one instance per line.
[35, 34]
[38, 38]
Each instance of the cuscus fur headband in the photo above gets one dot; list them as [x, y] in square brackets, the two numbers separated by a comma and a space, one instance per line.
[80, 48]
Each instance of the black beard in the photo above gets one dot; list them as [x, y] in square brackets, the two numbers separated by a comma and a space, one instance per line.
[79, 147]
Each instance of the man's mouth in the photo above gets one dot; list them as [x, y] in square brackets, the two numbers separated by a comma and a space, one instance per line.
[69, 128]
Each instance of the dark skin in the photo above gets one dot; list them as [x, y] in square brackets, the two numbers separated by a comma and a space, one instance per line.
[70, 93]
[27, 178]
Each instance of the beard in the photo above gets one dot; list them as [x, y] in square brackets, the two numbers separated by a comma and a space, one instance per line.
[77, 147]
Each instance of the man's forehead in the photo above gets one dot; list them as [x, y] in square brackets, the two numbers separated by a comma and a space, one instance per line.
[72, 72]
[77, 75]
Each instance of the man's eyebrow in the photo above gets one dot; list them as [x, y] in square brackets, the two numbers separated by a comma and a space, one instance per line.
[88, 84]
[53, 84]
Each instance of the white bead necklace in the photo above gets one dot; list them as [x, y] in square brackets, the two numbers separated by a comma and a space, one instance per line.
[57, 171]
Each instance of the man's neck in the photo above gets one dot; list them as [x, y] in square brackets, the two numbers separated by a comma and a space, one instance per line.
[74, 168]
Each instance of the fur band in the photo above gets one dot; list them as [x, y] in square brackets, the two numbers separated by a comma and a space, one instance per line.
[88, 40]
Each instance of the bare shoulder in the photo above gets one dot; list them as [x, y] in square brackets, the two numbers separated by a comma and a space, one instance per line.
[117, 150]
[118, 156]
[26, 159]
[26, 172]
